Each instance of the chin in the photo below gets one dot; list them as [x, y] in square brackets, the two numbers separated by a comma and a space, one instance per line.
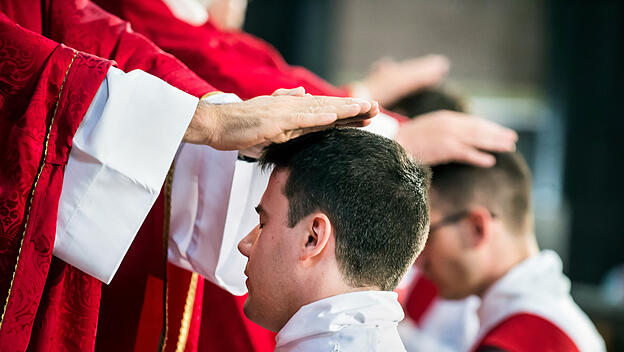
[247, 309]
[452, 295]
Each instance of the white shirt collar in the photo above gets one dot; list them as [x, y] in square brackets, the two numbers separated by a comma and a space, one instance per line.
[352, 314]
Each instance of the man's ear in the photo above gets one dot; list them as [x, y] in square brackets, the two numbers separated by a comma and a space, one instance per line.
[479, 226]
[319, 231]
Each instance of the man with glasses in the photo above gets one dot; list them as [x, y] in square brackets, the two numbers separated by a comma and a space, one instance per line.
[481, 242]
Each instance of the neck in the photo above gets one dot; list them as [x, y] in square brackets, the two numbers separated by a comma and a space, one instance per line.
[321, 287]
[507, 254]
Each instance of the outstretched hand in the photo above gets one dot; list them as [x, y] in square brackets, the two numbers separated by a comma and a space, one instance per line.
[445, 136]
[390, 80]
[273, 119]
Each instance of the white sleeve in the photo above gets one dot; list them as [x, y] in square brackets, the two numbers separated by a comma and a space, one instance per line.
[383, 125]
[120, 156]
[212, 200]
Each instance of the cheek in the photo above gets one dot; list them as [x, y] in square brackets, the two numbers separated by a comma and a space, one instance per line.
[443, 258]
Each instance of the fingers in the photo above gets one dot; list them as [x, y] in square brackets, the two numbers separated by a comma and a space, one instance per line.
[439, 64]
[475, 157]
[488, 135]
[311, 111]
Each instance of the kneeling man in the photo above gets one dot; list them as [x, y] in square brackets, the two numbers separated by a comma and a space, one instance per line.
[342, 219]
[481, 242]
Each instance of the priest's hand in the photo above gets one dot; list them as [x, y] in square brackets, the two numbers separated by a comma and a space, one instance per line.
[390, 80]
[273, 119]
[445, 136]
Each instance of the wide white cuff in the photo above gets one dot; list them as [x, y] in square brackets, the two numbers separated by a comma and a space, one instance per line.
[119, 159]
[383, 125]
[212, 201]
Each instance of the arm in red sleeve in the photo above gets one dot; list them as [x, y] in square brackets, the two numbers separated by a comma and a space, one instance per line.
[45, 90]
[86, 27]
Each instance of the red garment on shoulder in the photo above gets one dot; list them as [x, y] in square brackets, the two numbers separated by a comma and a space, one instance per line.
[525, 332]
[234, 62]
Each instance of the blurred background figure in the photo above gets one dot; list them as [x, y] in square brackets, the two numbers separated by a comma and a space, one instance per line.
[482, 243]
[552, 70]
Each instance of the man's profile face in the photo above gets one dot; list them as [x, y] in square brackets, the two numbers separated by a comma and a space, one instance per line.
[272, 252]
[445, 259]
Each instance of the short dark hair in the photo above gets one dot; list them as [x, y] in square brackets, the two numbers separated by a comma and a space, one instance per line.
[505, 188]
[428, 100]
[372, 191]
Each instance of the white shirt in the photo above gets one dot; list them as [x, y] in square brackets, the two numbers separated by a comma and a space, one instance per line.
[447, 326]
[351, 322]
[538, 286]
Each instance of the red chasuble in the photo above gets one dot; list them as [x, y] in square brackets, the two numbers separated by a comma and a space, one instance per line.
[45, 90]
[63, 314]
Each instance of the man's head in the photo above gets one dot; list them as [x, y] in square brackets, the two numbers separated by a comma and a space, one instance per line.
[426, 101]
[481, 224]
[344, 210]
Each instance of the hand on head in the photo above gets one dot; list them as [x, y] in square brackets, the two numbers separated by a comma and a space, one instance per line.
[444, 136]
[273, 119]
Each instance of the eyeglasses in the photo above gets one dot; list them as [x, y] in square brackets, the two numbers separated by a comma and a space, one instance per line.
[451, 219]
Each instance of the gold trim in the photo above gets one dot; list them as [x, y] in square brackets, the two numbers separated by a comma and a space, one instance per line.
[162, 343]
[34, 186]
[210, 94]
[185, 325]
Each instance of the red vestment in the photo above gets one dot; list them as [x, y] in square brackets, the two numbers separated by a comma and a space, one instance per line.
[63, 314]
[234, 62]
[46, 89]
[527, 332]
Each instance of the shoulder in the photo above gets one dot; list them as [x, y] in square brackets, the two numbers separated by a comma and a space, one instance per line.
[526, 332]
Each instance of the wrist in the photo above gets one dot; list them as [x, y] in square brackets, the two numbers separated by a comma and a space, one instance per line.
[203, 126]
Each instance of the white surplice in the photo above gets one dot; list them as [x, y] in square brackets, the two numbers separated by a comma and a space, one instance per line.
[352, 322]
[538, 286]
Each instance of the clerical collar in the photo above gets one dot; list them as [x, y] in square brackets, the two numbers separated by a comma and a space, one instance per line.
[333, 314]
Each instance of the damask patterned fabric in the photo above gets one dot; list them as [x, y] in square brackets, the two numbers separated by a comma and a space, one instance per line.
[32, 71]
[45, 89]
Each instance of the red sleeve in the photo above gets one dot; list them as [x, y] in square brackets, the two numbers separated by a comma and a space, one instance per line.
[45, 90]
[528, 332]
[86, 27]
[231, 61]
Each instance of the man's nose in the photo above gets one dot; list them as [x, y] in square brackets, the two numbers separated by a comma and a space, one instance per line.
[244, 246]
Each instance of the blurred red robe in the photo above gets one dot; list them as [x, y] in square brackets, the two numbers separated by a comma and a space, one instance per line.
[45, 90]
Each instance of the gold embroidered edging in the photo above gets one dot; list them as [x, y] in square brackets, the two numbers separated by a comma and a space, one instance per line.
[210, 94]
[185, 325]
[162, 343]
[34, 186]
